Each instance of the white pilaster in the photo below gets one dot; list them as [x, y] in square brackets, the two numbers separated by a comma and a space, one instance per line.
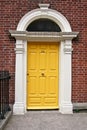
[65, 77]
[18, 107]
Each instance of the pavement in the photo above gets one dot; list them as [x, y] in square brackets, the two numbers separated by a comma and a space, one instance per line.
[47, 120]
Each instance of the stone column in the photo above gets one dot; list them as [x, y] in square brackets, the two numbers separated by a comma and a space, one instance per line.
[66, 77]
[18, 107]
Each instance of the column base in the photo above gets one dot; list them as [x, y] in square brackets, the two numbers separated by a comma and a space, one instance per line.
[18, 109]
[66, 108]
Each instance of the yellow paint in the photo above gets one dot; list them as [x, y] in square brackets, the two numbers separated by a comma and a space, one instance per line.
[42, 75]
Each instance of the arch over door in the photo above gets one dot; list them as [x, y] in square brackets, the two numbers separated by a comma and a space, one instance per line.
[42, 86]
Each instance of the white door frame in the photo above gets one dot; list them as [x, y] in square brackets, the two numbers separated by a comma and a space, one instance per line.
[65, 59]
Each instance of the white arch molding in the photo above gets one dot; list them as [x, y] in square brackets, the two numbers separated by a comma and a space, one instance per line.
[65, 67]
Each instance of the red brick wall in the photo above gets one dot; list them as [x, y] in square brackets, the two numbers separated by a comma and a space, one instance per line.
[11, 11]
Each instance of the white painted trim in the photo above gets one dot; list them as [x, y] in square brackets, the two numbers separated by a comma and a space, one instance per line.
[43, 36]
[65, 67]
[54, 15]
[65, 80]
[44, 6]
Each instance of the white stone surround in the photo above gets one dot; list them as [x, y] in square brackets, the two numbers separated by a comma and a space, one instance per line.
[65, 59]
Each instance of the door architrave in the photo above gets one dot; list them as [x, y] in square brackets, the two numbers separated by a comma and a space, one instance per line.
[65, 59]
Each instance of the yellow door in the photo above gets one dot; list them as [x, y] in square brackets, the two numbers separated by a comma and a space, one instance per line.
[42, 75]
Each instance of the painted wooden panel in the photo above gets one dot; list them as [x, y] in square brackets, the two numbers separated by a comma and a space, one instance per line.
[42, 69]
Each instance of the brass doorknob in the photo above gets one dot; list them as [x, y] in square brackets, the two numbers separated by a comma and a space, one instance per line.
[42, 74]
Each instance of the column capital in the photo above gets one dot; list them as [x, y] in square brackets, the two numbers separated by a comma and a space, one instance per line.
[19, 49]
[68, 47]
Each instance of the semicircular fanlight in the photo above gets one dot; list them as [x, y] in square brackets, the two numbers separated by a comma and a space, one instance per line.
[43, 25]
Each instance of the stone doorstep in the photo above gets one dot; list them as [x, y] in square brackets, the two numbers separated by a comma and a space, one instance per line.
[5, 121]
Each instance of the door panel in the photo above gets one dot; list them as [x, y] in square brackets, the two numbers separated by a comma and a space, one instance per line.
[32, 62]
[42, 85]
[42, 69]
[52, 83]
[42, 59]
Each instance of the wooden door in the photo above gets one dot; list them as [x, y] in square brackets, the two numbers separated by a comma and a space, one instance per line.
[42, 75]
